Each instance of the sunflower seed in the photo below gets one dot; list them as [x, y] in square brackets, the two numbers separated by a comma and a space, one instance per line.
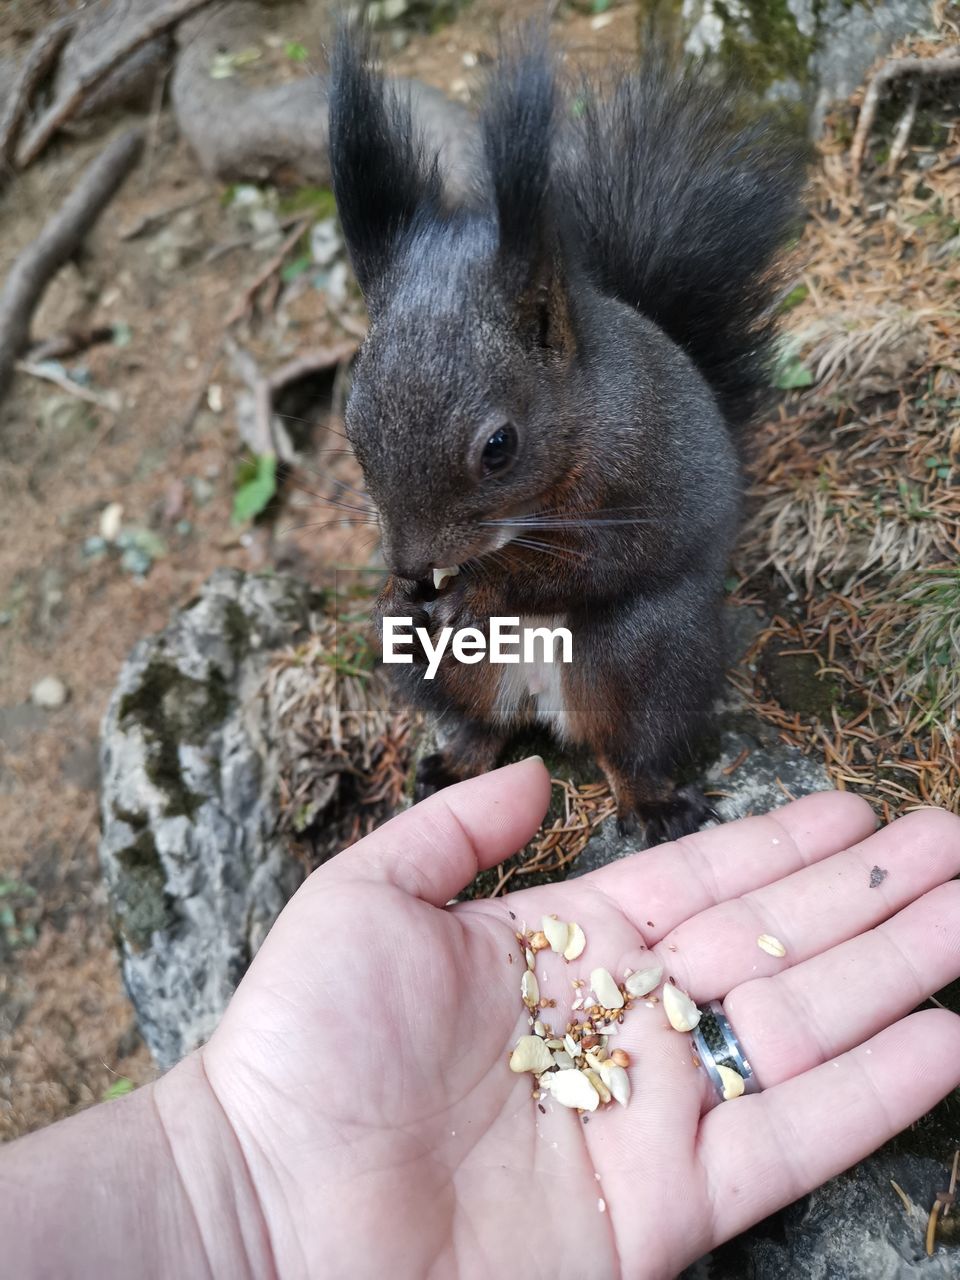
[771, 945]
[530, 989]
[732, 1081]
[557, 933]
[682, 1013]
[642, 981]
[598, 1084]
[607, 992]
[531, 959]
[573, 1089]
[576, 943]
[530, 1054]
[618, 1082]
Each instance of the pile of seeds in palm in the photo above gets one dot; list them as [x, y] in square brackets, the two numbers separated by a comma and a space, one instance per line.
[577, 1065]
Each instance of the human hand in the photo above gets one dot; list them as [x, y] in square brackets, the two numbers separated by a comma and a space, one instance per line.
[362, 1065]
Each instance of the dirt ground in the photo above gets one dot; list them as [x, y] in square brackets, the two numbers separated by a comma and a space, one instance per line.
[72, 606]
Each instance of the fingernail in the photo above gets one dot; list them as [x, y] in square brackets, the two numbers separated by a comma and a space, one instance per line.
[527, 759]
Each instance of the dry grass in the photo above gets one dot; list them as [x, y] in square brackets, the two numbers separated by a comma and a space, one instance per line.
[856, 484]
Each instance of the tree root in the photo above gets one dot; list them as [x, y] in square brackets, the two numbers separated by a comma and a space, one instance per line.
[57, 243]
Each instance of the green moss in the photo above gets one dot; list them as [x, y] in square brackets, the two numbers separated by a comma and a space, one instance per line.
[172, 708]
[794, 680]
[774, 49]
[237, 627]
[144, 906]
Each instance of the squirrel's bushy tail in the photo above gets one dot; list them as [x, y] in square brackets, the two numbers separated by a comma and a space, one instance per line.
[680, 209]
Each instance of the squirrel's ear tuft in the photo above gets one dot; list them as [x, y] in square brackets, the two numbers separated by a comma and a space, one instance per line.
[519, 124]
[382, 178]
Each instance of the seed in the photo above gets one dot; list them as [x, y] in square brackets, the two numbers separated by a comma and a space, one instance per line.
[531, 959]
[590, 1042]
[732, 1081]
[571, 1046]
[573, 1089]
[598, 1084]
[606, 990]
[557, 933]
[771, 945]
[531, 1054]
[594, 1060]
[576, 943]
[563, 1060]
[621, 1057]
[554, 1044]
[530, 989]
[643, 981]
[539, 1029]
[682, 1013]
[618, 1082]
[538, 941]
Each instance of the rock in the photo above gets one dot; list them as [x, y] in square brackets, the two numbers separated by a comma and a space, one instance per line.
[801, 51]
[195, 868]
[49, 693]
[854, 1227]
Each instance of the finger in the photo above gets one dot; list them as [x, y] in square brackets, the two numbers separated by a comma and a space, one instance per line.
[816, 1010]
[439, 845]
[763, 1151]
[662, 887]
[816, 908]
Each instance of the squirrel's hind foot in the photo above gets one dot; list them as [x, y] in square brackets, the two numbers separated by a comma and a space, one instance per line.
[680, 814]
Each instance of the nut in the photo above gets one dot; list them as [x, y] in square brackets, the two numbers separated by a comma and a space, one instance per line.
[539, 1029]
[732, 1081]
[571, 1046]
[538, 941]
[530, 958]
[576, 943]
[621, 1057]
[557, 933]
[642, 981]
[606, 989]
[530, 989]
[771, 945]
[682, 1013]
[563, 1060]
[531, 1054]
[573, 1089]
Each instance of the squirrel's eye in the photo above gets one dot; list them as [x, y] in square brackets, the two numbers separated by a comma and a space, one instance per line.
[500, 450]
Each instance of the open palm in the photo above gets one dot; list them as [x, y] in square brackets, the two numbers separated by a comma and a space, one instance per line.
[363, 1062]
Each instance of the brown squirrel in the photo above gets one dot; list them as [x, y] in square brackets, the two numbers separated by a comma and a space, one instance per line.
[551, 394]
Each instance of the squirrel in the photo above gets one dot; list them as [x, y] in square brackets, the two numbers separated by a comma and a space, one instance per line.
[553, 394]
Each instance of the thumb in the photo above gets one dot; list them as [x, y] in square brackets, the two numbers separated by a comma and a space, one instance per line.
[436, 848]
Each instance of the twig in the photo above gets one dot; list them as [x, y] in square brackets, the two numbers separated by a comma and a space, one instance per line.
[894, 69]
[311, 362]
[901, 139]
[276, 262]
[931, 1240]
[37, 65]
[251, 238]
[49, 373]
[69, 343]
[61, 111]
[57, 243]
[151, 222]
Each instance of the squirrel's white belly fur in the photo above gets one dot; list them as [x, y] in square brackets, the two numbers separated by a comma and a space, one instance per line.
[533, 690]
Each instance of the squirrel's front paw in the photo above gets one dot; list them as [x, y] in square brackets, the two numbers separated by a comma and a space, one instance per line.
[686, 810]
[432, 775]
